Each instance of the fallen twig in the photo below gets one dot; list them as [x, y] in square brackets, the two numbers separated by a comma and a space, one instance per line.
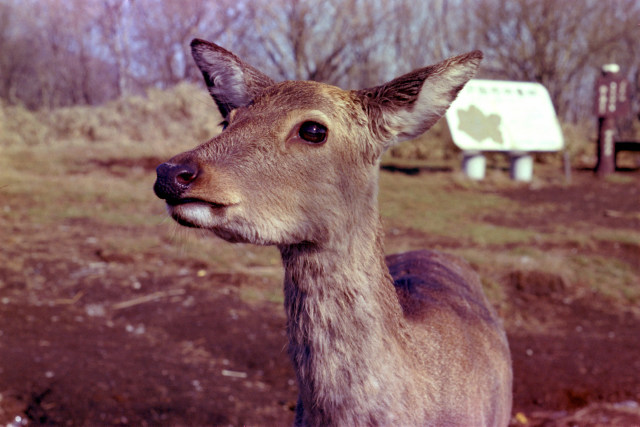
[619, 214]
[234, 374]
[148, 298]
[70, 301]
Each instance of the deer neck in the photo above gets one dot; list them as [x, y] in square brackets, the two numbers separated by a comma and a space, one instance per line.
[347, 337]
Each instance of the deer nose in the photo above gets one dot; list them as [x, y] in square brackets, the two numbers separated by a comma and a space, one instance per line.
[174, 180]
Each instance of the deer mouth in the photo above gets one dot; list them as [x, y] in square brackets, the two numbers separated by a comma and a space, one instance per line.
[190, 200]
[196, 213]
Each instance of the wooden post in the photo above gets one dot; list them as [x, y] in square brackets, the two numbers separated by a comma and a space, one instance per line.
[606, 149]
[611, 101]
[566, 161]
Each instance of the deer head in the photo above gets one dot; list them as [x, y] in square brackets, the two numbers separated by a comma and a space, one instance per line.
[297, 161]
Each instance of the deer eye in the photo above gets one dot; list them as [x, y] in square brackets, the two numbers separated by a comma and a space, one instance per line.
[313, 132]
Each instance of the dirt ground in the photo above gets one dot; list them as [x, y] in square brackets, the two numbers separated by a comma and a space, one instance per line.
[179, 346]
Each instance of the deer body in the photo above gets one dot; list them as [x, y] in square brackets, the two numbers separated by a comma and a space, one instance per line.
[297, 167]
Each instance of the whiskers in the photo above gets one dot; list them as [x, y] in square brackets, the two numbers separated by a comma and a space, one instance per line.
[181, 239]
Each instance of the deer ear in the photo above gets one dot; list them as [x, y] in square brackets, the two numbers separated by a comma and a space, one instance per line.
[231, 82]
[409, 105]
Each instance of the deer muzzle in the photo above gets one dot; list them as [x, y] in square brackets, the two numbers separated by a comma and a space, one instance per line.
[173, 181]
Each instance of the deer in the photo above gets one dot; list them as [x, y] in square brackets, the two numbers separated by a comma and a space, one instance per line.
[410, 339]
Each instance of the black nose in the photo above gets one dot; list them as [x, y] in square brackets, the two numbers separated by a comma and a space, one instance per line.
[174, 180]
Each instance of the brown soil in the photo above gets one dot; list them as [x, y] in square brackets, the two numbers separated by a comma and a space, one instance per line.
[89, 336]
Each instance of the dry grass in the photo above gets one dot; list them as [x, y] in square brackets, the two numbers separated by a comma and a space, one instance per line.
[184, 114]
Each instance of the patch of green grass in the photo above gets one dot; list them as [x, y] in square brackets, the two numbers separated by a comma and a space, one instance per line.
[586, 273]
[618, 178]
[99, 197]
[267, 292]
[488, 234]
[628, 237]
[44, 183]
[610, 277]
[430, 205]
[585, 236]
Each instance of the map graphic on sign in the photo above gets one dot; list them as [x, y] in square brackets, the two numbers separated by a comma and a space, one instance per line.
[474, 123]
[493, 115]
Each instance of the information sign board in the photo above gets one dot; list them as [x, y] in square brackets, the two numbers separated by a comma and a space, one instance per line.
[494, 115]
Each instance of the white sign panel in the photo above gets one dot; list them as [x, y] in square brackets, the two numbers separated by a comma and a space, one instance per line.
[493, 115]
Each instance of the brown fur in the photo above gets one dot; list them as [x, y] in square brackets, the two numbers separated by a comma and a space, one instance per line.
[421, 348]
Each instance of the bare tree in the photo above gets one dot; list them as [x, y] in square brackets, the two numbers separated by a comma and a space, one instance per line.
[13, 61]
[428, 32]
[557, 43]
[115, 30]
[63, 52]
[335, 41]
[47, 60]
[166, 28]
